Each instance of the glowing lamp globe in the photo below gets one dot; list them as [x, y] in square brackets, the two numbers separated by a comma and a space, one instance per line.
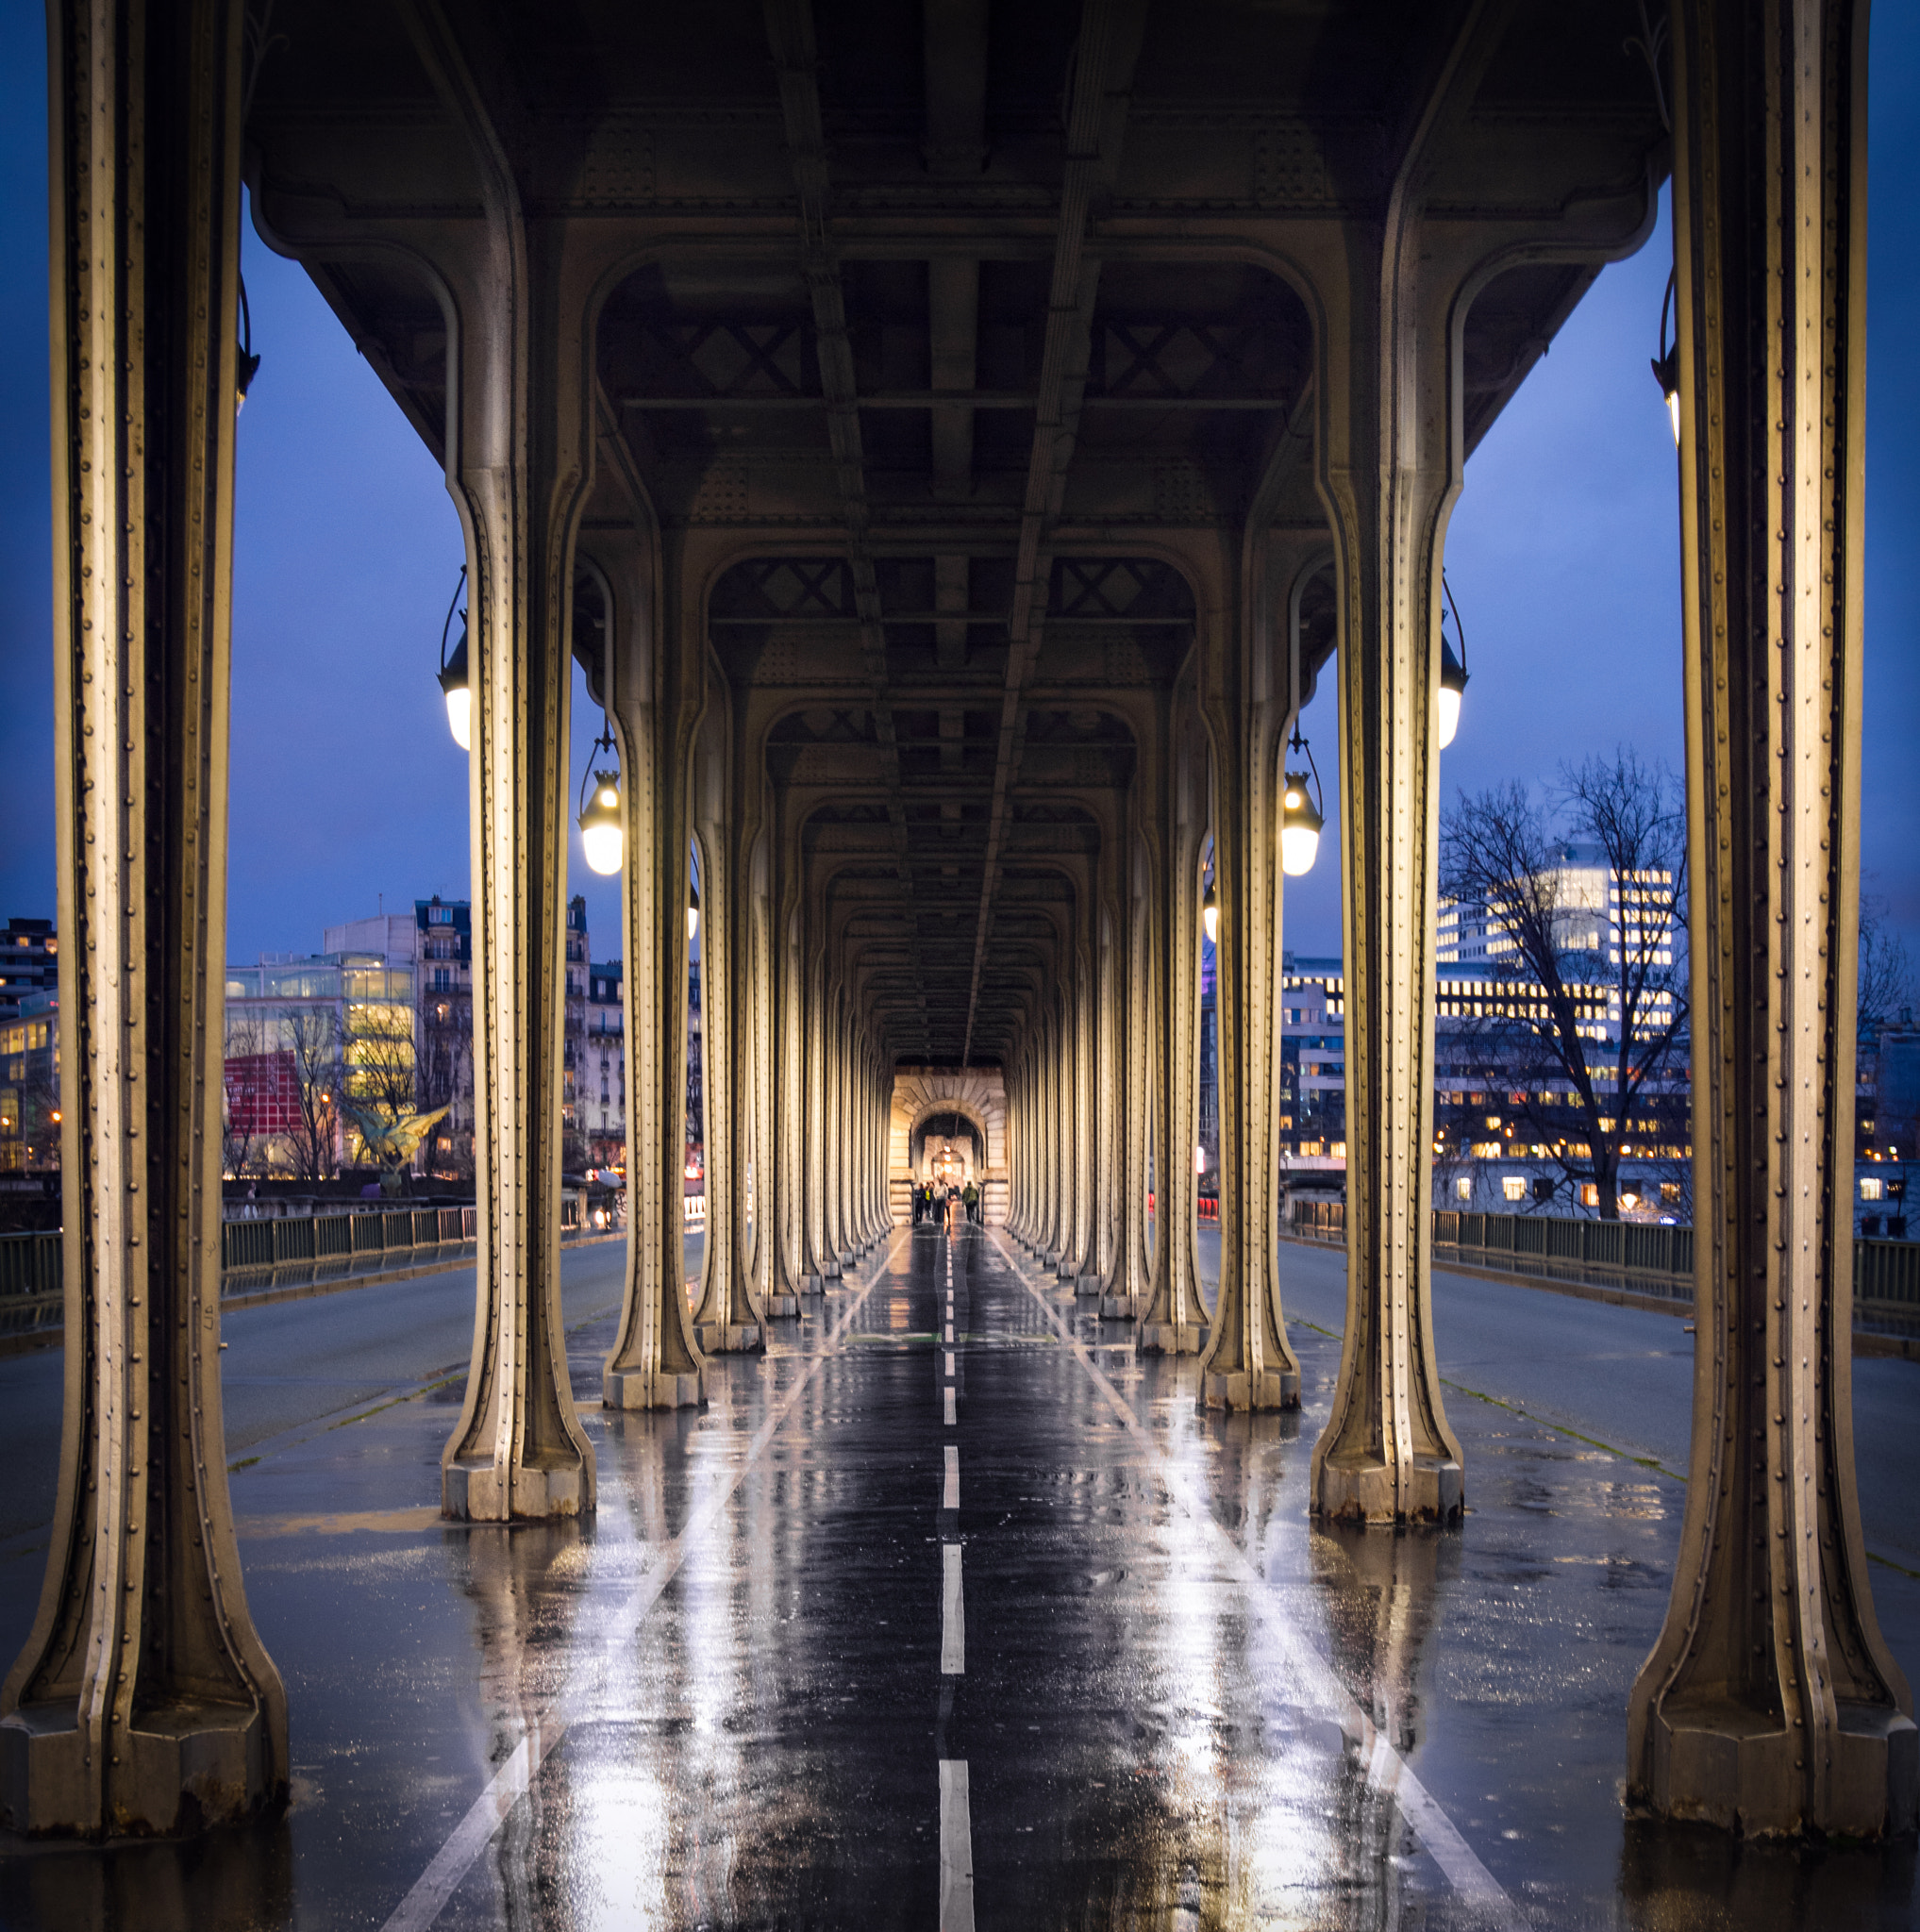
[1299, 827]
[1453, 684]
[460, 696]
[1210, 916]
[601, 833]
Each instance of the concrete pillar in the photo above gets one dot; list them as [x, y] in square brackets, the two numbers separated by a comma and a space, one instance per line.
[1770, 1703]
[1248, 1363]
[1174, 1321]
[143, 1701]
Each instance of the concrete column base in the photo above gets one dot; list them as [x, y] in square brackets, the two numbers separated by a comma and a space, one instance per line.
[781, 1307]
[1086, 1284]
[830, 1271]
[1118, 1307]
[1064, 1270]
[815, 1284]
[1162, 1338]
[729, 1338]
[1361, 1491]
[638, 1389]
[1716, 1763]
[479, 1491]
[176, 1771]
[1250, 1388]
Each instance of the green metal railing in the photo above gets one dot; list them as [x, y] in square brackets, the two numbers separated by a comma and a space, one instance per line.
[1645, 1256]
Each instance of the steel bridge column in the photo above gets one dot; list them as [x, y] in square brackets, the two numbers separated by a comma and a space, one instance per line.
[1126, 1296]
[1770, 1703]
[1247, 1363]
[654, 1362]
[143, 1701]
[1176, 1322]
[1387, 1452]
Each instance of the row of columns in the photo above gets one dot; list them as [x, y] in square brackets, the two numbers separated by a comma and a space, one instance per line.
[143, 1699]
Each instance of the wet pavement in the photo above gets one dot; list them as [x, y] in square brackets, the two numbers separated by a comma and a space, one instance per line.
[905, 1632]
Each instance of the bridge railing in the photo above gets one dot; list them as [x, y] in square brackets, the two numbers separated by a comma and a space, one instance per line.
[1647, 1258]
[283, 1252]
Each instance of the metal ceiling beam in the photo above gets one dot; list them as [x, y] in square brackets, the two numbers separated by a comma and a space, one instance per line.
[1096, 120]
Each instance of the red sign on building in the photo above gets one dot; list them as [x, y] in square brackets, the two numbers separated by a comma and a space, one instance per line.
[262, 1094]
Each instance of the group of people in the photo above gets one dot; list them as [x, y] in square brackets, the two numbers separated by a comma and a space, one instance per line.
[932, 1202]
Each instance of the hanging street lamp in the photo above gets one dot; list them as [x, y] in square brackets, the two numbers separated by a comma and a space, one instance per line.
[453, 673]
[1301, 816]
[601, 835]
[1453, 670]
[1667, 365]
[249, 364]
[1210, 913]
[693, 911]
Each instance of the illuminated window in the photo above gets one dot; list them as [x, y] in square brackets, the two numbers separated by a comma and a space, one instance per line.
[1514, 1186]
[1465, 1189]
[1870, 1191]
[1590, 1196]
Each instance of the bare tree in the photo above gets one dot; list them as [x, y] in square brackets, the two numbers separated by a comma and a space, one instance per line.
[445, 1079]
[240, 1138]
[315, 1040]
[1581, 1038]
[1886, 974]
[381, 1077]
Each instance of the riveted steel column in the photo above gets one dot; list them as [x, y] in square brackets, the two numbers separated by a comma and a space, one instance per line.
[1248, 1363]
[1387, 1452]
[143, 1701]
[1125, 1297]
[654, 1362]
[1176, 1322]
[1770, 1703]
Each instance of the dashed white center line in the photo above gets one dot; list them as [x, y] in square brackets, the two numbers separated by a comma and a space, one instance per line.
[949, 1365]
[953, 1610]
[956, 1848]
[950, 1418]
[949, 1496]
[950, 1331]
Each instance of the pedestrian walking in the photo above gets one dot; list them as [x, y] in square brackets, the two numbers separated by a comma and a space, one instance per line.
[971, 1195]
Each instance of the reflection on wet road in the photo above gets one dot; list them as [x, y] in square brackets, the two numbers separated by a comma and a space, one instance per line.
[952, 1610]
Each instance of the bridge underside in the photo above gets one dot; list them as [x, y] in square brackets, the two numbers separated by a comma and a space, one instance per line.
[954, 439]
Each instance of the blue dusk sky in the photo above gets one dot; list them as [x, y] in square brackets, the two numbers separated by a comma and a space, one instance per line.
[347, 793]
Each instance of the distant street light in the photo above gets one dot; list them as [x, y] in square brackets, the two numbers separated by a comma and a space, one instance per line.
[693, 911]
[1301, 816]
[1453, 670]
[601, 835]
[1667, 365]
[1209, 914]
[453, 673]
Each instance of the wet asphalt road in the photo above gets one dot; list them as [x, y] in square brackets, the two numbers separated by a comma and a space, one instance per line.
[749, 1684]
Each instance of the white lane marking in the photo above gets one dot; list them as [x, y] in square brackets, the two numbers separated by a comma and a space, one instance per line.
[950, 1423]
[1318, 1682]
[953, 1612]
[430, 1892]
[949, 1497]
[949, 1365]
[956, 1848]
[950, 1331]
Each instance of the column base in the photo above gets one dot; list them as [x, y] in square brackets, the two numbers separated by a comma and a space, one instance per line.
[815, 1284]
[1086, 1284]
[830, 1271]
[1064, 1270]
[1118, 1307]
[1251, 1389]
[1162, 1338]
[484, 1493]
[781, 1307]
[1364, 1493]
[1715, 1762]
[729, 1338]
[178, 1770]
[645, 1389]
